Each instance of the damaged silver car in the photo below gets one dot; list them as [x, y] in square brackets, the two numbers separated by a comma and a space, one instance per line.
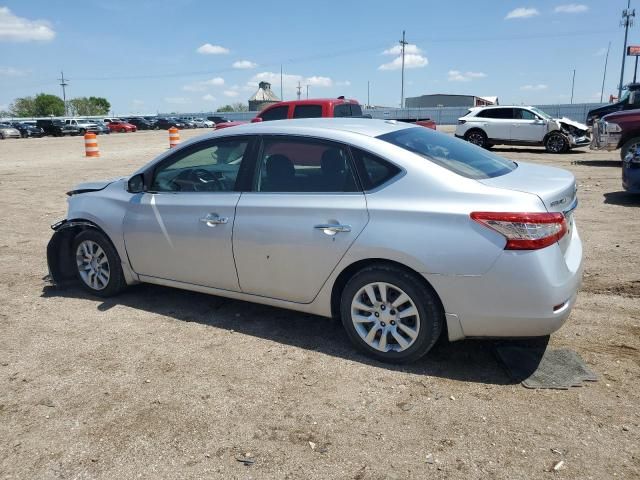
[524, 126]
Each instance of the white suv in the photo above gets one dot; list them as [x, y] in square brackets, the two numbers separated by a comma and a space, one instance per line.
[518, 125]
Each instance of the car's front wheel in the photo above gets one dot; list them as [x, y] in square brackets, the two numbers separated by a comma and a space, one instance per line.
[632, 145]
[556, 143]
[391, 314]
[477, 137]
[97, 264]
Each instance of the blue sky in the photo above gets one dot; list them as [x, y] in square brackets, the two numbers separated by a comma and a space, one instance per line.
[190, 55]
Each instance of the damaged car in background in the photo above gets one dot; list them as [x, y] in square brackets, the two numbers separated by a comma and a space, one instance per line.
[524, 126]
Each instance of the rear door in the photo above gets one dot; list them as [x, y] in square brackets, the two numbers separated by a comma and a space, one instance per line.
[496, 122]
[302, 215]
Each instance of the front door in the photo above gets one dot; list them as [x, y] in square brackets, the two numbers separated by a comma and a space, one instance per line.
[305, 211]
[181, 228]
[527, 126]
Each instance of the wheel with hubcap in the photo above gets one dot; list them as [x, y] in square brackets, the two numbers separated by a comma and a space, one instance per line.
[477, 137]
[391, 314]
[97, 264]
[556, 143]
[632, 145]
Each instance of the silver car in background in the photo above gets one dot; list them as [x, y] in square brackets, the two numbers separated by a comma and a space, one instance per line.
[401, 231]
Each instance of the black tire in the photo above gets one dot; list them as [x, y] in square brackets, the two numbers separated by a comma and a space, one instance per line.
[626, 146]
[123, 130]
[82, 131]
[477, 137]
[556, 143]
[116, 281]
[426, 301]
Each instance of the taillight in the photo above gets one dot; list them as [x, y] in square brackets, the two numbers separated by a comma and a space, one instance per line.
[525, 231]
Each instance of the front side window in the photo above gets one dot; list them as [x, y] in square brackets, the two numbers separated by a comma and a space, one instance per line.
[276, 113]
[210, 167]
[304, 165]
[307, 111]
[522, 114]
[451, 153]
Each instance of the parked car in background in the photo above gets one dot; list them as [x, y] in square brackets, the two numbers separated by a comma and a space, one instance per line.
[216, 119]
[618, 130]
[101, 128]
[141, 123]
[401, 231]
[57, 128]
[524, 126]
[122, 126]
[83, 125]
[221, 125]
[8, 131]
[28, 130]
[630, 100]
[187, 123]
[166, 123]
[109, 120]
[310, 108]
[202, 123]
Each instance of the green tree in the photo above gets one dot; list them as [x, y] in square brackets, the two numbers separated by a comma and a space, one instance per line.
[45, 104]
[100, 105]
[23, 107]
[83, 106]
[234, 107]
[225, 108]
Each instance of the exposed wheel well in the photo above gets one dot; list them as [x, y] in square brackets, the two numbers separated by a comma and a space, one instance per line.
[59, 253]
[351, 270]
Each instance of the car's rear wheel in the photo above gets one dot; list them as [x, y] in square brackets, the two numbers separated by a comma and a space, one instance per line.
[556, 143]
[97, 264]
[391, 314]
[477, 137]
[631, 145]
[123, 130]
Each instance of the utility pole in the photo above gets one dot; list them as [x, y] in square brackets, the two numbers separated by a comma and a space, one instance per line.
[281, 96]
[604, 75]
[64, 84]
[635, 72]
[573, 82]
[299, 87]
[368, 100]
[402, 45]
[626, 22]
[307, 92]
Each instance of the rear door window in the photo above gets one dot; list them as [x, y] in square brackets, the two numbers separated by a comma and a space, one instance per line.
[276, 113]
[347, 110]
[307, 111]
[503, 113]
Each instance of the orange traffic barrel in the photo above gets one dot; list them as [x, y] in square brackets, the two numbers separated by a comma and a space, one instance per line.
[91, 145]
[174, 137]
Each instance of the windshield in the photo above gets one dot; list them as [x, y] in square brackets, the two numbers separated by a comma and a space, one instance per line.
[541, 113]
[455, 155]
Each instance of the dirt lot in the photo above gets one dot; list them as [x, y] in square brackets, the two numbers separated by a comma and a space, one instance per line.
[162, 383]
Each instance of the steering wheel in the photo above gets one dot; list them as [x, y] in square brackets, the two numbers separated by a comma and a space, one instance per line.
[198, 180]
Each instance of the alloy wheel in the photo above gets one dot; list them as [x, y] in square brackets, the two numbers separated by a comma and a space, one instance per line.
[385, 317]
[476, 138]
[93, 265]
[556, 144]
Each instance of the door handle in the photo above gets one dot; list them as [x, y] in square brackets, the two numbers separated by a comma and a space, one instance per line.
[214, 219]
[332, 228]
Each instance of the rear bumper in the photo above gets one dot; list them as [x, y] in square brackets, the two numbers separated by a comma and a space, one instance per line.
[524, 294]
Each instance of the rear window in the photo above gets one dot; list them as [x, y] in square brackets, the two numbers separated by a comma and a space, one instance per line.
[307, 111]
[455, 155]
[347, 110]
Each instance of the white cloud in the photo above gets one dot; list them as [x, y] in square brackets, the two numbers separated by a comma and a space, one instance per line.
[458, 76]
[397, 50]
[571, 8]
[18, 29]
[411, 60]
[230, 93]
[316, 81]
[208, 49]
[177, 100]
[204, 85]
[208, 98]
[244, 64]
[539, 86]
[12, 72]
[601, 52]
[522, 13]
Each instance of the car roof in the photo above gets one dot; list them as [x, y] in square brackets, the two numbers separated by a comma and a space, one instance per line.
[362, 126]
[488, 107]
[314, 101]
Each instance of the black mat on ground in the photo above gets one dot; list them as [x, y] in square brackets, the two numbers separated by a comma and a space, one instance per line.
[544, 368]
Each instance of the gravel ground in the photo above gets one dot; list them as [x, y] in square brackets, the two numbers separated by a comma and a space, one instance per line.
[163, 383]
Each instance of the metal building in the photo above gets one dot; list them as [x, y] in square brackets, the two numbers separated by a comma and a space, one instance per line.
[445, 100]
[263, 97]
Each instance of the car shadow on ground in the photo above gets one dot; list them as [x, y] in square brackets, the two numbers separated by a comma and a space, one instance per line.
[599, 163]
[536, 151]
[622, 198]
[468, 360]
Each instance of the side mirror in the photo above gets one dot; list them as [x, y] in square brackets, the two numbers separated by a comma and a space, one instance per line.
[136, 184]
[256, 120]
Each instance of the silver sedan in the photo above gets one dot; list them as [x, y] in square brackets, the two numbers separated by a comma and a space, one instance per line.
[402, 232]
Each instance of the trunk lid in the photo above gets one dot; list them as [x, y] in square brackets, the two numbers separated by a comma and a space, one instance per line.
[554, 186]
